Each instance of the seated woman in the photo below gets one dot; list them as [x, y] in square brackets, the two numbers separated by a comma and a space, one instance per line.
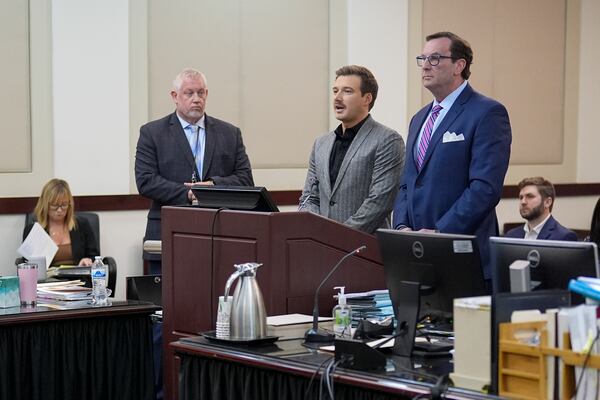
[55, 212]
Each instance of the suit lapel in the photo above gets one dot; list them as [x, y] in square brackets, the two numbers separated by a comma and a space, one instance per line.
[210, 144]
[413, 136]
[362, 134]
[176, 131]
[547, 229]
[456, 109]
[327, 147]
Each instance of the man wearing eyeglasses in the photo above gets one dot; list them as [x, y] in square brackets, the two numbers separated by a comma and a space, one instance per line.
[458, 149]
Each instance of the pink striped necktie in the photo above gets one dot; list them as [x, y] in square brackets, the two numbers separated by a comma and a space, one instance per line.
[426, 137]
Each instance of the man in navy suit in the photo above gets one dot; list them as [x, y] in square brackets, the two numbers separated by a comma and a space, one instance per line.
[458, 149]
[184, 148]
[536, 199]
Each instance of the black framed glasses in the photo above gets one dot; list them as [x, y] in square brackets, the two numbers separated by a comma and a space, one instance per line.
[433, 59]
[63, 206]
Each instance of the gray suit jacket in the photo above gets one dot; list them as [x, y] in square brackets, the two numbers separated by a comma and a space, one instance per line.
[368, 181]
[164, 161]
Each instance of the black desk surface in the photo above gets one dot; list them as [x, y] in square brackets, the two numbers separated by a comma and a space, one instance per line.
[403, 377]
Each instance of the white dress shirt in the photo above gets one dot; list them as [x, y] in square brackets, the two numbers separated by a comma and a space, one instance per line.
[534, 233]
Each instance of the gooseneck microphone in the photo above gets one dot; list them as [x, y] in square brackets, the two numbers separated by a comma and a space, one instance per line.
[314, 334]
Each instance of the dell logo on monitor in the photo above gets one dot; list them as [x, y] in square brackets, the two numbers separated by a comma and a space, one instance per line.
[418, 250]
[534, 258]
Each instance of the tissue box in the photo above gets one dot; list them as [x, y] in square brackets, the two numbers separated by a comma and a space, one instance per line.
[9, 292]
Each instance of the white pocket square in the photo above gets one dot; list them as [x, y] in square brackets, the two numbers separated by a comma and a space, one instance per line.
[452, 137]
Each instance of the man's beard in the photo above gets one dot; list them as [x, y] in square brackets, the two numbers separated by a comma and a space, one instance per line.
[534, 213]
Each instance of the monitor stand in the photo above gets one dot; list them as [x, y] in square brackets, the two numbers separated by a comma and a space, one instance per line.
[407, 314]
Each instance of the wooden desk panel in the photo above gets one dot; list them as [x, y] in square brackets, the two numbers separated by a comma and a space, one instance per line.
[297, 250]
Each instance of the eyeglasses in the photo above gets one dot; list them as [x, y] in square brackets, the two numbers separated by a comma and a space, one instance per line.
[63, 206]
[433, 59]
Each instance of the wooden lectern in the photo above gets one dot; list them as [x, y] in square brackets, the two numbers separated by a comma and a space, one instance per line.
[297, 250]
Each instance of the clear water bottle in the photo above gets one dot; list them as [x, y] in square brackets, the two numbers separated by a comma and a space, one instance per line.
[99, 281]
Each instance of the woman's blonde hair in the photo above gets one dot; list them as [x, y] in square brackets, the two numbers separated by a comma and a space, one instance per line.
[52, 191]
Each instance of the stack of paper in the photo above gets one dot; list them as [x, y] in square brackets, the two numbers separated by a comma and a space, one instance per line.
[66, 271]
[69, 291]
[293, 326]
[375, 304]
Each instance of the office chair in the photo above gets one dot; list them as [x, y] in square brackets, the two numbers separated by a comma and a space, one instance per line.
[144, 288]
[83, 273]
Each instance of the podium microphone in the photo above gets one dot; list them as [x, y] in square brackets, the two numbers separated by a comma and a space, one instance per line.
[314, 335]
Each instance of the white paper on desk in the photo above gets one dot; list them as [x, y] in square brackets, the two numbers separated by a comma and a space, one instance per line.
[388, 343]
[582, 328]
[38, 244]
[293, 319]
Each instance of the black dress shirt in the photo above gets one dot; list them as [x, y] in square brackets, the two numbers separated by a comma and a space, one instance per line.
[343, 140]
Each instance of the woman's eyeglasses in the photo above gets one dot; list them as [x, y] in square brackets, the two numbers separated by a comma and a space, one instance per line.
[63, 206]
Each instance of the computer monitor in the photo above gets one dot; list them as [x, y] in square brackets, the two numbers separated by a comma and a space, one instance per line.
[247, 198]
[447, 266]
[552, 263]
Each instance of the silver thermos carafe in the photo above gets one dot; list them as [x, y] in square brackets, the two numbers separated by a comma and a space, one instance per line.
[248, 316]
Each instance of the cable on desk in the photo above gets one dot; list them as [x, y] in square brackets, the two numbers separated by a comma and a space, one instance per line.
[440, 388]
[328, 375]
[312, 378]
[437, 392]
[433, 378]
[395, 335]
[585, 363]
[321, 380]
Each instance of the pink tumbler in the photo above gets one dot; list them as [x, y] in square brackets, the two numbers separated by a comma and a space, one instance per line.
[27, 283]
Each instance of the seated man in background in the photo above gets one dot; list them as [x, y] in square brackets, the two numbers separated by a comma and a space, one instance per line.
[536, 199]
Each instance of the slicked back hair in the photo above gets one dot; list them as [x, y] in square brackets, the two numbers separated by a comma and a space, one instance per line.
[459, 49]
[368, 83]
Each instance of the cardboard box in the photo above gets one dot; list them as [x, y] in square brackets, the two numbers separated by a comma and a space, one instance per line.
[9, 292]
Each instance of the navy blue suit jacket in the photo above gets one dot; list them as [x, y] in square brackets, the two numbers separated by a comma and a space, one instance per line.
[461, 181]
[164, 161]
[551, 230]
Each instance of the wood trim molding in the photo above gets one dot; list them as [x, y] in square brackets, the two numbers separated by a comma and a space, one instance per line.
[562, 190]
[128, 202]
[120, 202]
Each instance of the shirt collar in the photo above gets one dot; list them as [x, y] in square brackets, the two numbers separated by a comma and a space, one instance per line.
[539, 227]
[451, 98]
[185, 124]
[350, 133]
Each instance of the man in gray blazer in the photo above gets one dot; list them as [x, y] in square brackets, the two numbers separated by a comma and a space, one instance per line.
[354, 172]
[187, 147]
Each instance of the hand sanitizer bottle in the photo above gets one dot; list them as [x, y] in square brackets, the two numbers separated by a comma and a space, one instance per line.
[342, 316]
